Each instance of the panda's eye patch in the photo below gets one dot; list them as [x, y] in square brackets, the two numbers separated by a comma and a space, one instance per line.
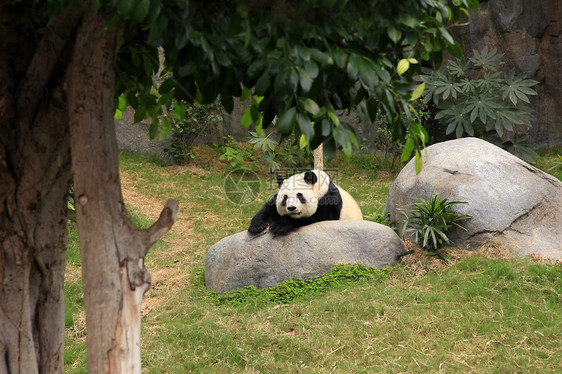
[301, 198]
[284, 201]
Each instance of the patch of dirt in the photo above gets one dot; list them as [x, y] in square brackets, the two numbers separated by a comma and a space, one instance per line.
[167, 278]
[206, 158]
[495, 248]
[151, 208]
[170, 278]
[385, 174]
[72, 274]
[420, 262]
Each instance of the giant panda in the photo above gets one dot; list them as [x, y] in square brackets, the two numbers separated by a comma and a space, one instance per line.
[303, 199]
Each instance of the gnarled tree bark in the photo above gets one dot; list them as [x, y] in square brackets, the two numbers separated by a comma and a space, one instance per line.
[48, 105]
[34, 180]
[112, 248]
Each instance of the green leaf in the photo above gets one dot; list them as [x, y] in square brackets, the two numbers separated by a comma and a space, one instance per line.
[329, 148]
[305, 125]
[394, 34]
[473, 4]
[263, 142]
[366, 75]
[342, 138]
[166, 86]
[455, 50]
[227, 102]
[447, 35]
[140, 114]
[311, 68]
[118, 114]
[407, 151]
[353, 66]
[293, 80]
[321, 57]
[141, 10]
[419, 132]
[418, 92]
[166, 128]
[305, 80]
[287, 121]
[403, 66]
[124, 7]
[122, 106]
[248, 33]
[335, 119]
[262, 84]
[382, 73]
[326, 128]
[246, 93]
[418, 161]
[340, 57]
[460, 130]
[310, 106]
[468, 128]
[246, 118]
[254, 111]
[372, 108]
[499, 128]
[302, 141]
[153, 129]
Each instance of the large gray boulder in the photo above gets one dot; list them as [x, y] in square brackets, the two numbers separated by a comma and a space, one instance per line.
[509, 200]
[242, 259]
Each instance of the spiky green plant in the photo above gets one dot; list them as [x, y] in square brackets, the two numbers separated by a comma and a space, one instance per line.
[429, 220]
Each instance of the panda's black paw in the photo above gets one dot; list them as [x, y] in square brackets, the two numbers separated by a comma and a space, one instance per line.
[280, 230]
[256, 228]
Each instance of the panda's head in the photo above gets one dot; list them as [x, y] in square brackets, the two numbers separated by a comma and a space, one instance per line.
[299, 195]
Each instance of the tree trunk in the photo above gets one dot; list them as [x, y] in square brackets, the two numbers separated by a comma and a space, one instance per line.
[34, 182]
[319, 157]
[35, 176]
[112, 248]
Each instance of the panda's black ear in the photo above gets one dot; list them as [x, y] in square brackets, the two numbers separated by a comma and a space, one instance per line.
[280, 180]
[310, 177]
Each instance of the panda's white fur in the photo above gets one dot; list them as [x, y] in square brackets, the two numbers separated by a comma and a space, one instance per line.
[303, 199]
[350, 209]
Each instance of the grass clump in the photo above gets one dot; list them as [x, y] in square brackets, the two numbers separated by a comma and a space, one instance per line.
[293, 289]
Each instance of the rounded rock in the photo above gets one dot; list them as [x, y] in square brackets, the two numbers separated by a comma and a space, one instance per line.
[262, 261]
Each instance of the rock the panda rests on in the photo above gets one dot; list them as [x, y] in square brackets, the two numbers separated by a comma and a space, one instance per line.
[304, 199]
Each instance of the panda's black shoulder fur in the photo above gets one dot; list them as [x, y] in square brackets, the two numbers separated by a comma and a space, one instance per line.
[329, 205]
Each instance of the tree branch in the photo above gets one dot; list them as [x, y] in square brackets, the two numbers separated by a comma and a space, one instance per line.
[167, 218]
[46, 59]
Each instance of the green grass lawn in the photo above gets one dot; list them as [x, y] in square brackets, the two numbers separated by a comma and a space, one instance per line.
[482, 314]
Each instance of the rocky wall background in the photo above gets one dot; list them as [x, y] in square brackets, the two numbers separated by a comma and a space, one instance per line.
[530, 35]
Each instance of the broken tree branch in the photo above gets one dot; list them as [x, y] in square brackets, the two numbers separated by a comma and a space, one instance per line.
[167, 218]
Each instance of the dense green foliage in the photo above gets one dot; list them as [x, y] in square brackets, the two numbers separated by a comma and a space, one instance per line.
[187, 122]
[299, 62]
[475, 97]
